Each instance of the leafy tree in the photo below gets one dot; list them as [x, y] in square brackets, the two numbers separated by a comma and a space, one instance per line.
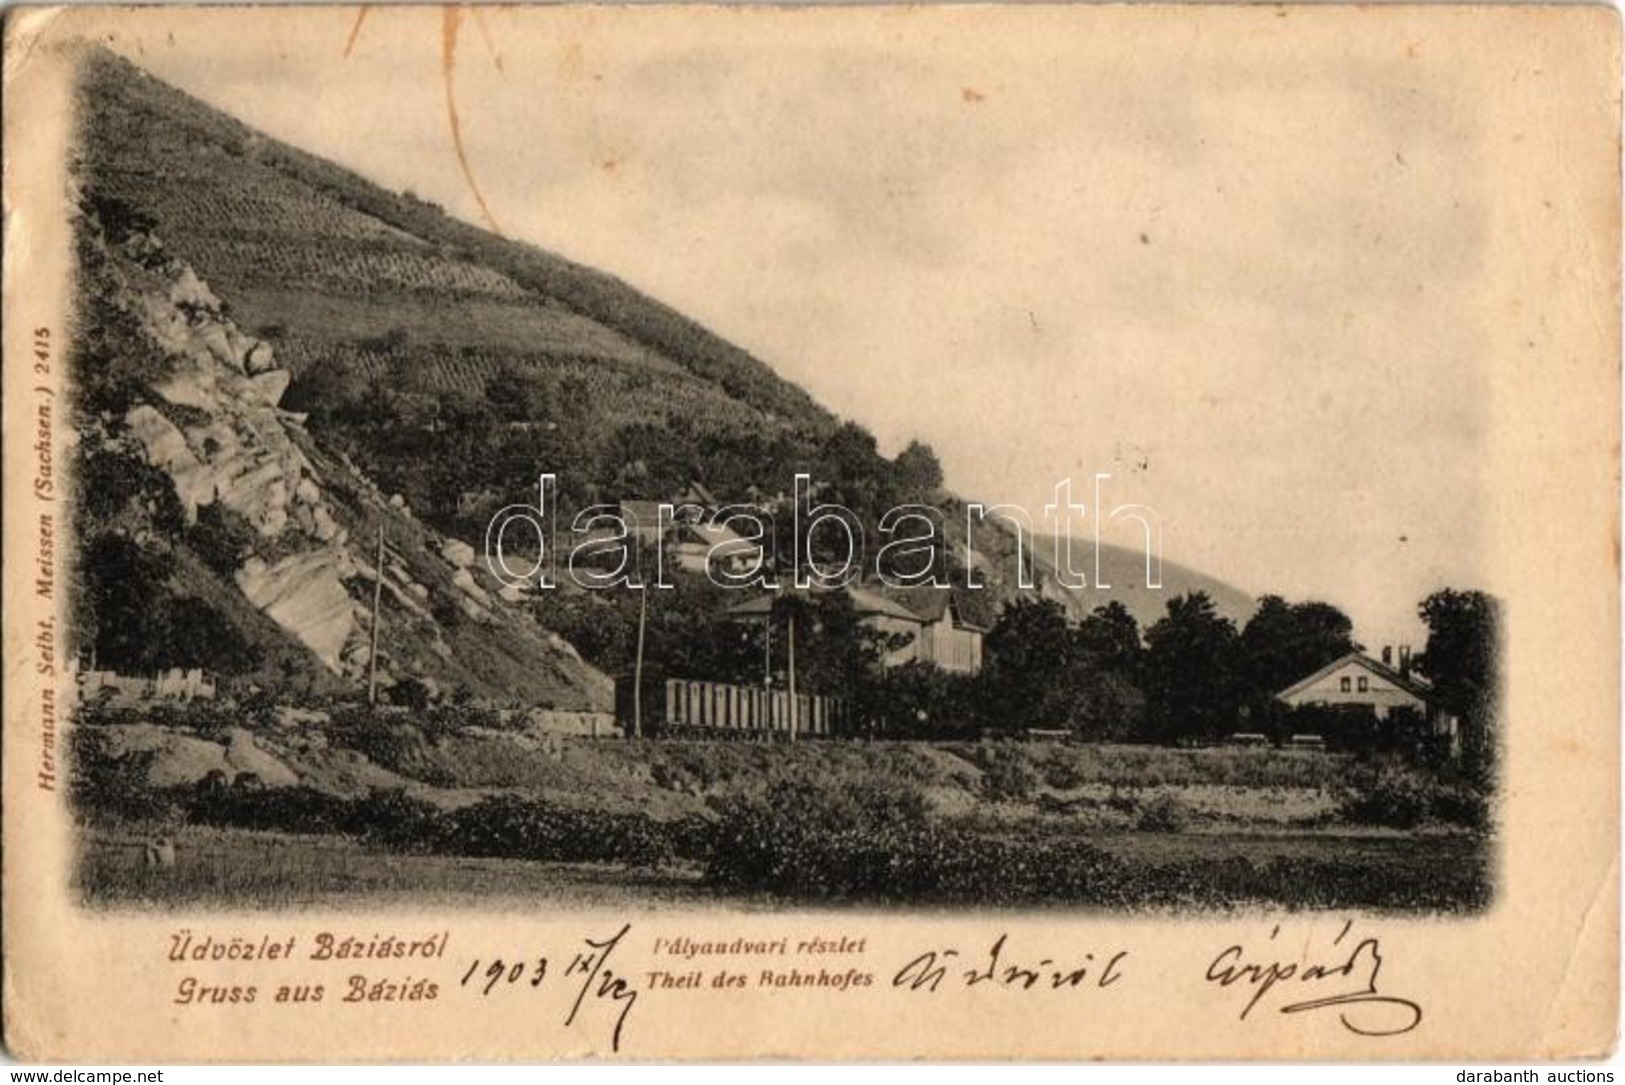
[137, 624]
[652, 466]
[1111, 635]
[690, 636]
[837, 653]
[110, 357]
[1109, 698]
[118, 218]
[1029, 674]
[110, 482]
[1284, 642]
[113, 787]
[1193, 670]
[1461, 659]
[1108, 705]
[412, 692]
[221, 537]
[850, 453]
[118, 584]
[919, 473]
[922, 699]
[850, 461]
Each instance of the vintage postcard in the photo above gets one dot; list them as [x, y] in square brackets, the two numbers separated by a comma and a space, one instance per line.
[810, 533]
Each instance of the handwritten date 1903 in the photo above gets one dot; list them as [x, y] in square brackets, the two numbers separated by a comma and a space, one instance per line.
[588, 972]
[1343, 979]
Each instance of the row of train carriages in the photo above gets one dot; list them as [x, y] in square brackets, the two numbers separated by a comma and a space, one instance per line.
[686, 708]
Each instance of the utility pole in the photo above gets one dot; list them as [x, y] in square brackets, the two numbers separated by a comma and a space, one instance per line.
[792, 649]
[637, 670]
[377, 601]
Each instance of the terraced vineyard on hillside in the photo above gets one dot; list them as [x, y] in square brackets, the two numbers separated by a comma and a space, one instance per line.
[367, 296]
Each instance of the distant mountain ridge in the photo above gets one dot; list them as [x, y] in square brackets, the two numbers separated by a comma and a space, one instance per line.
[1123, 570]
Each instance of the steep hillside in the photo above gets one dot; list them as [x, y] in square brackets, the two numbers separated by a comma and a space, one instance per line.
[215, 532]
[351, 343]
[393, 317]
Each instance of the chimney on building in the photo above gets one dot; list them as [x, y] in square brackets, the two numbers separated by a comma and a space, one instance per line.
[1405, 660]
[1387, 655]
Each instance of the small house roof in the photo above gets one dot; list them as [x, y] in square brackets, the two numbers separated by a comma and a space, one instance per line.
[931, 603]
[1415, 687]
[759, 607]
[867, 603]
[713, 534]
[872, 603]
[698, 494]
[641, 513]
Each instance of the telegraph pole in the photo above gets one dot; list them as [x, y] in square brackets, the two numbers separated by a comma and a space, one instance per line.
[377, 601]
[792, 650]
[767, 647]
[637, 670]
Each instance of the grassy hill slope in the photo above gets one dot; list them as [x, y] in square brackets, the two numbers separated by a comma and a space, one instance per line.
[367, 295]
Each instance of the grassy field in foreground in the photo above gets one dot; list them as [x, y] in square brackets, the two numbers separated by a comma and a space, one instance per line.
[907, 824]
[238, 868]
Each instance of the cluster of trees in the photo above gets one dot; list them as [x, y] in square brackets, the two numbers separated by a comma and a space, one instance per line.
[607, 433]
[1191, 676]
[1194, 676]
[689, 633]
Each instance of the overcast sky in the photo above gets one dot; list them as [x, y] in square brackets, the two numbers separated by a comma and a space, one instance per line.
[1231, 258]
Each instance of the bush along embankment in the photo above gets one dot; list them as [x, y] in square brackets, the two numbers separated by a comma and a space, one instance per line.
[877, 844]
[1395, 793]
[859, 841]
[502, 826]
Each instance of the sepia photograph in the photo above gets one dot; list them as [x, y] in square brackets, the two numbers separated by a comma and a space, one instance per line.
[319, 652]
[886, 464]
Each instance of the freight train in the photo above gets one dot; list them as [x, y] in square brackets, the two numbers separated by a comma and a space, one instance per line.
[681, 707]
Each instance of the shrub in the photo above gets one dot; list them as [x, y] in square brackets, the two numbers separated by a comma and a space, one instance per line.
[118, 218]
[672, 777]
[872, 843]
[1356, 728]
[392, 819]
[1121, 802]
[463, 713]
[1398, 793]
[507, 826]
[1164, 814]
[206, 719]
[699, 766]
[766, 845]
[386, 739]
[274, 809]
[1063, 773]
[113, 787]
[1006, 776]
[1389, 793]
[805, 840]
[1463, 805]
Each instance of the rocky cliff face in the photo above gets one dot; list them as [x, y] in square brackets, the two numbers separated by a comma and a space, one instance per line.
[225, 441]
[300, 527]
